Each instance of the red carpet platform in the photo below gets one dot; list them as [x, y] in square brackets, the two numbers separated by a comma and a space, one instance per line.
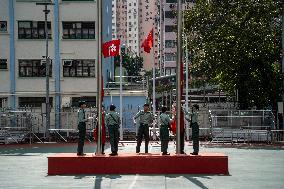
[129, 163]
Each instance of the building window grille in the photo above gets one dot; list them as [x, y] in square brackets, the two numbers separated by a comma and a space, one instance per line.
[34, 68]
[33, 29]
[170, 57]
[171, 43]
[78, 30]
[3, 26]
[170, 14]
[170, 28]
[3, 64]
[33, 101]
[79, 68]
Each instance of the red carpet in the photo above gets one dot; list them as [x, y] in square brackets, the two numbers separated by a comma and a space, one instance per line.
[129, 163]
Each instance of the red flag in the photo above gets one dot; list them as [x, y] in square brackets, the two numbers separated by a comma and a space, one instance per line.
[148, 42]
[111, 48]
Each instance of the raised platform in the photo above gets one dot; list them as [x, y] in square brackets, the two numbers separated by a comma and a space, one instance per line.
[129, 163]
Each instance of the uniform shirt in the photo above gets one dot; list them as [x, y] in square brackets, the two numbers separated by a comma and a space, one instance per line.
[145, 117]
[81, 115]
[112, 118]
[193, 115]
[165, 119]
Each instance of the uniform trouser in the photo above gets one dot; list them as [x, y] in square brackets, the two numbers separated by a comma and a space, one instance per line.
[195, 137]
[164, 136]
[164, 146]
[82, 134]
[143, 130]
[113, 137]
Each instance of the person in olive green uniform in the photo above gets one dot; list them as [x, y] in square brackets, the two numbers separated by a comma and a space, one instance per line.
[113, 122]
[145, 119]
[195, 128]
[81, 127]
[165, 123]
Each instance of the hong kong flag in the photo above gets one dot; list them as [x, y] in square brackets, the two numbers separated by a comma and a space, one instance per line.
[111, 48]
[148, 42]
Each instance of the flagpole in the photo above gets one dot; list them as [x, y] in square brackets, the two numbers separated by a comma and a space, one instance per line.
[186, 86]
[178, 79]
[99, 77]
[154, 95]
[120, 95]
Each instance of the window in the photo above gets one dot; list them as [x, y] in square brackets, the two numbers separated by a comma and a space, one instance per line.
[169, 14]
[3, 26]
[171, 1]
[170, 28]
[170, 43]
[3, 64]
[33, 101]
[78, 30]
[33, 68]
[33, 30]
[3, 102]
[79, 68]
[170, 71]
[170, 57]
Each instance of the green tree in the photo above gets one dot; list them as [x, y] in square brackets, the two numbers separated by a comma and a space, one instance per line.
[237, 44]
[133, 65]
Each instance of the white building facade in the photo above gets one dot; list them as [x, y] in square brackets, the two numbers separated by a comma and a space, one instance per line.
[72, 31]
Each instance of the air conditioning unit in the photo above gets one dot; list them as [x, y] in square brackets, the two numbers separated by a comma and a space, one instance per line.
[66, 102]
[42, 62]
[67, 62]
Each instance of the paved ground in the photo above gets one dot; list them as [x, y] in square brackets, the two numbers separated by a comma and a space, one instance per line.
[25, 166]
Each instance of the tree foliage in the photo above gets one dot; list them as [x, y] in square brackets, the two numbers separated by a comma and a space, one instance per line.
[133, 65]
[237, 44]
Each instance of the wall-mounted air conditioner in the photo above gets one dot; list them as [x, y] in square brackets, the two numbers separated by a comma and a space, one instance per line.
[67, 62]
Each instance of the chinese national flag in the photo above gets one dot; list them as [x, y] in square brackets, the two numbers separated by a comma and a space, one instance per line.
[148, 42]
[111, 48]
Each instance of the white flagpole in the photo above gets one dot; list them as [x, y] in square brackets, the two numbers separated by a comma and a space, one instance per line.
[120, 96]
[99, 77]
[154, 94]
[178, 78]
[186, 87]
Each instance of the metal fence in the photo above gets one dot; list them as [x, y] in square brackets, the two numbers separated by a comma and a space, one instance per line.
[241, 125]
[28, 125]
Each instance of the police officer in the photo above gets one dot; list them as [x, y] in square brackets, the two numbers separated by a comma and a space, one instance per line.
[81, 127]
[165, 123]
[113, 122]
[145, 119]
[195, 128]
